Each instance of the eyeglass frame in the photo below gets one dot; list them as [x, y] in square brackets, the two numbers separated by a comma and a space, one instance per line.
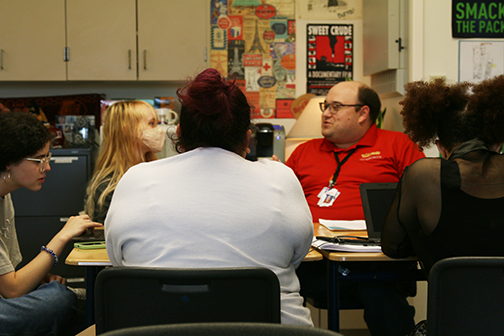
[45, 160]
[324, 106]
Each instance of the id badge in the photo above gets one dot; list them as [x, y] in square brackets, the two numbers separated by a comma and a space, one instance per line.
[327, 197]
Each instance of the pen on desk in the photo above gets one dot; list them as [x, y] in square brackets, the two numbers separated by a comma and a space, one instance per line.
[329, 239]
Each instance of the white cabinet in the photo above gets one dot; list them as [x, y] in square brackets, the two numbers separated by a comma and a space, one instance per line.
[386, 44]
[101, 39]
[385, 35]
[32, 39]
[104, 40]
[172, 38]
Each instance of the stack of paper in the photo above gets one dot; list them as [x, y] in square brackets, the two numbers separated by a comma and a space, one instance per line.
[345, 247]
[343, 224]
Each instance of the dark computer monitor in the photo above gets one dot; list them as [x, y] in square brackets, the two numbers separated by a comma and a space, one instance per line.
[376, 200]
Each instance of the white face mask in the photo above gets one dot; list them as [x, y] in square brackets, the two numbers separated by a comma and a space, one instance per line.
[154, 138]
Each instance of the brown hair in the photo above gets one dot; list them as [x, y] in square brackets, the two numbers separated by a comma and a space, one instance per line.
[454, 113]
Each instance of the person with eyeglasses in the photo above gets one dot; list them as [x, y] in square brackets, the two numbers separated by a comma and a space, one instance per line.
[353, 150]
[32, 301]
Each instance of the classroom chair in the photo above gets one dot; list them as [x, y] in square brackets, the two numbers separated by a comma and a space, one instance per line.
[466, 297]
[136, 296]
[223, 329]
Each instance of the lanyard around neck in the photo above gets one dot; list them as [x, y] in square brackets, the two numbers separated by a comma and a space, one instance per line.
[338, 167]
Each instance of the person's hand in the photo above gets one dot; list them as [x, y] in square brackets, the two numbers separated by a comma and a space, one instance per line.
[76, 225]
[275, 158]
[51, 277]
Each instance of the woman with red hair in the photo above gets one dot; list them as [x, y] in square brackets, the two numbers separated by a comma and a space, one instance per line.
[210, 207]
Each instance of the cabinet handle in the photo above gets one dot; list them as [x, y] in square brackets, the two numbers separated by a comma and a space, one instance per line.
[145, 59]
[399, 41]
[1, 59]
[66, 54]
[129, 59]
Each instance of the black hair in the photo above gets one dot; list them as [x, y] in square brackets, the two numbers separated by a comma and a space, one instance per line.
[21, 135]
[369, 97]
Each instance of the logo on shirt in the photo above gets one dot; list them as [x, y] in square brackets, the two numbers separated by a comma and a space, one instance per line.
[371, 156]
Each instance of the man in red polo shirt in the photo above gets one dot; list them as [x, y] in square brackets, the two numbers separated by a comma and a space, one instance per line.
[355, 151]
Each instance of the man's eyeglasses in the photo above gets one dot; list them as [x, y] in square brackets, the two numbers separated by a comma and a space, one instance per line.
[43, 162]
[335, 107]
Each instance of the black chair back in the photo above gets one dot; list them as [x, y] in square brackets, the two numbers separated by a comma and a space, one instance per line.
[466, 297]
[223, 329]
[133, 296]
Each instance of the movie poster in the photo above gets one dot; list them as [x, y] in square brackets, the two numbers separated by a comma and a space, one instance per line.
[254, 42]
[330, 56]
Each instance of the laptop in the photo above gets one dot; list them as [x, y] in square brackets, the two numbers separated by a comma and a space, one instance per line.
[376, 200]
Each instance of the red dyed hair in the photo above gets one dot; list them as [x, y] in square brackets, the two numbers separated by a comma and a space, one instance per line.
[215, 113]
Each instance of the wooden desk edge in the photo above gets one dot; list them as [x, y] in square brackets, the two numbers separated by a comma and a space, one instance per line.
[80, 257]
[99, 257]
[313, 255]
[361, 256]
[320, 230]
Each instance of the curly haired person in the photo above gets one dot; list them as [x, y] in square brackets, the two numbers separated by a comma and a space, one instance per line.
[32, 301]
[454, 205]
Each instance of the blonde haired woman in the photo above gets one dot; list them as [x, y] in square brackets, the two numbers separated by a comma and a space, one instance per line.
[130, 135]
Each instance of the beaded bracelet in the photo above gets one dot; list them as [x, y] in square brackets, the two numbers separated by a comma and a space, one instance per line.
[51, 252]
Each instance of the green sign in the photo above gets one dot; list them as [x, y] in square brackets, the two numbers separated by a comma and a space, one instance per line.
[483, 18]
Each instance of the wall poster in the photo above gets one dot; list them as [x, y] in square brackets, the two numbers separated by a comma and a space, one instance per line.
[254, 42]
[329, 10]
[330, 56]
[477, 18]
[479, 60]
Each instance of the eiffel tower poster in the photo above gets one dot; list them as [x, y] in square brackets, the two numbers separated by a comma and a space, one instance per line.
[235, 59]
[254, 35]
[256, 44]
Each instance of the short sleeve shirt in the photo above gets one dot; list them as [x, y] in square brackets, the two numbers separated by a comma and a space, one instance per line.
[10, 255]
[380, 156]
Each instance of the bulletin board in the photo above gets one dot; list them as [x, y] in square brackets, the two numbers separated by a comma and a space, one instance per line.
[480, 60]
[254, 42]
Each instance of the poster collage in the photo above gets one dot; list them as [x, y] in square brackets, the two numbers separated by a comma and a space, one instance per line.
[254, 42]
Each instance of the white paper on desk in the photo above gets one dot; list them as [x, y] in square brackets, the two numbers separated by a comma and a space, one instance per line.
[343, 224]
[326, 246]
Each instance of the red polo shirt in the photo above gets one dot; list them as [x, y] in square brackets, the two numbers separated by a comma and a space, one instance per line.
[380, 156]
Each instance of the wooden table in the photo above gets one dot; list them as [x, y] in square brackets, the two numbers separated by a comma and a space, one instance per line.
[337, 273]
[96, 259]
[320, 230]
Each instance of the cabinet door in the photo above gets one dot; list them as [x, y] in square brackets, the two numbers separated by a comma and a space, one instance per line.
[32, 39]
[385, 35]
[101, 36]
[172, 38]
